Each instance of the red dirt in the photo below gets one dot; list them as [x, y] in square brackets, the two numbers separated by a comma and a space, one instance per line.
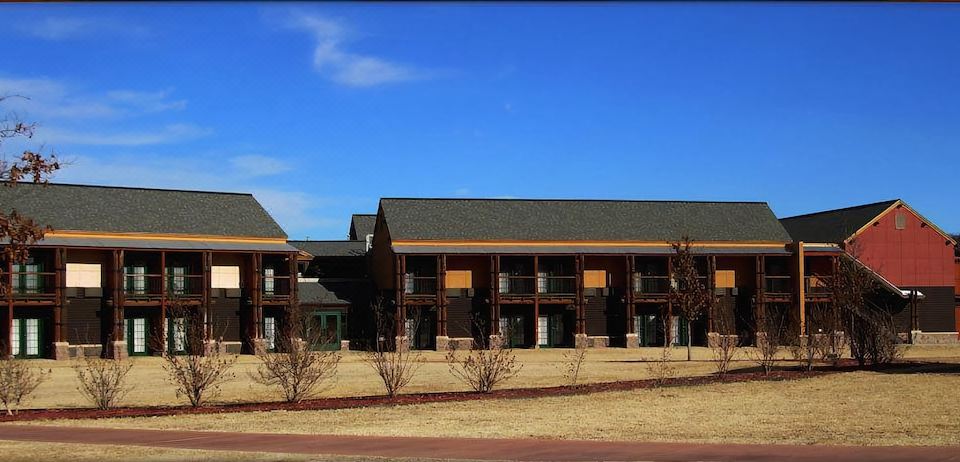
[422, 398]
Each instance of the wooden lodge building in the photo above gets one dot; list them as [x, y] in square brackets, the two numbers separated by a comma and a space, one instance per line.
[539, 273]
[118, 259]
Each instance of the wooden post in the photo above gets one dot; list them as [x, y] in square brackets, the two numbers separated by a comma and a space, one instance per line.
[206, 265]
[536, 301]
[758, 311]
[398, 295]
[668, 323]
[802, 289]
[9, 347]
[58, 328]
[119, 297]
[580, 302]
[256, 296]
[712, 282]
[495, 291]
[442, 295]
[163, 300]
[631, 309]
[402, 302]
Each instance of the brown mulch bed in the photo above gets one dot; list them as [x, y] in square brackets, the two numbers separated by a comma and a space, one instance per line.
[422, 398]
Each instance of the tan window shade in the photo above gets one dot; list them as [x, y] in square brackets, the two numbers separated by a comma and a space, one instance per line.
[594, 279]
[225, 277]
[459, 279]
[726, 279]
[83, 275]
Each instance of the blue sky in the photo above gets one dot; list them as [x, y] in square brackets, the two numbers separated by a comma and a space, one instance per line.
[319, 110]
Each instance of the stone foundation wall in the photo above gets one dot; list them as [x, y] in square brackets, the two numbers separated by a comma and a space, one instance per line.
[934, 338]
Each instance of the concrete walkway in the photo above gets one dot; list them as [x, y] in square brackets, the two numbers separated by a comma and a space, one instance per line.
[474, 449]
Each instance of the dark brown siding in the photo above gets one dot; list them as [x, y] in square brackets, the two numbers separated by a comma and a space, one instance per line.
[596, 315]
[84, 321]
[937, 310]
[225, 318]
[606, 316]
[460, 316]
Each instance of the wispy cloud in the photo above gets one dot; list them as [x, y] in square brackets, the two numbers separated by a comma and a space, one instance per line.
[258, 165]
[333, 60]
[173, 133]
[53, 99]
[70, 27]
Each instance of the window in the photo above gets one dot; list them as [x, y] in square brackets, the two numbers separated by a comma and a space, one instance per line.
[32, 337]
[135, 278]
[408, 283]
[225, 277]
[459, 279]
[136, 335]
[594, 279]
[369, 240]
[901, 221]
[726, 279]
[504, 283]
[542, 282]
[176, 282]
[26, 278]
[83, 275]
[270, 332]
[15, 338]
[543, 331]
[269, 284]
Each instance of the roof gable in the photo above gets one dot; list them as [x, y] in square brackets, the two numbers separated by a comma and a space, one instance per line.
[834, 226]
[579, 220]
[106, 209]
[361, 225]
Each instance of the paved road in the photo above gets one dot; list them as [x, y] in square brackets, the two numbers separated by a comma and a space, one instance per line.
[475, 449]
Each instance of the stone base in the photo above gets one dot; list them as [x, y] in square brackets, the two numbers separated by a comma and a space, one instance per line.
[581, 341]
[441, 343]
[118, 350]
[633, 341]
[918, 337]
[210, 346]
[61, 351]
[93, 350]
[344, 345]
[598, 341]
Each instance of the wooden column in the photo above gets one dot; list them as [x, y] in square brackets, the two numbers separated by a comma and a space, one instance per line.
[759, 311]
[256, 295]
[801, 286]
[163, 301]
[712, 287]
[118, 295]
[631, 308]
[536, 301]
[206, 264]
[294, 285]
[580, 302]
[495, 295]
[668, 323]
[442, 295]
[401, 314]
[9, 276]
[59, 329]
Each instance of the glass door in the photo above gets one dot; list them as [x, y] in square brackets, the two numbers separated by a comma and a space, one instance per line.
[136, 330]
[330, 327]
[26, 338]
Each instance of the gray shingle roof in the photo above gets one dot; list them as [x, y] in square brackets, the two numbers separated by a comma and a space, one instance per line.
[833, 226]
[597, 220]
[361, 225]
[141, 210]
[331, 248]
[316, 293]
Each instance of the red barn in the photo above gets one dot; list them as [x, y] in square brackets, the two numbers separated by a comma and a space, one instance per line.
[904, 247]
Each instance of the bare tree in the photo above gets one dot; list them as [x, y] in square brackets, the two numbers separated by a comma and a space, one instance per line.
[688, 293]
[17, 382]
[390, 356]
[661, 368]
[572, 365]
[102, 381]
[725, 345]
[485, 366]
[771, 331]
[298, 369]
[204, 366]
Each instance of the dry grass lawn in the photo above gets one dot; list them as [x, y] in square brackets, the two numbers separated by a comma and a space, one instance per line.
[859, 408]
[60, 452]
[355, 378]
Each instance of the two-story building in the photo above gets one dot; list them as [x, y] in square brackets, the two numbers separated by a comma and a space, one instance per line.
[550, 273]
[118, 259]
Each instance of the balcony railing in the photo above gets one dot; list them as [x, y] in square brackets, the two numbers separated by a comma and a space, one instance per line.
[419, 285]
[157, 285]
[557, 285]
[778, 285]
[275, 286]
[817, 285]
[32, 284]
[651, 285]
[517, 285]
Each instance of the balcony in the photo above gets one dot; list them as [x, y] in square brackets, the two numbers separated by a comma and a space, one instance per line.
[419, 285]
[817, 285]
[33, 285]
[557, 285]
[778, 285]
[517, 285]
[147, 286]
[275, 286]
[651, 285]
